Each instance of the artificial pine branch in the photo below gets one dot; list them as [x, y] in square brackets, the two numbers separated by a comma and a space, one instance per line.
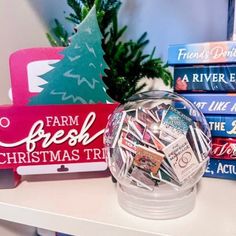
[127, 62]
[77, 8]
[60, 37]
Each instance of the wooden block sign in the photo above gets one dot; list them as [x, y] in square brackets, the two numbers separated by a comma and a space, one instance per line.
[26, 69]
[60, 108]
[53, 139]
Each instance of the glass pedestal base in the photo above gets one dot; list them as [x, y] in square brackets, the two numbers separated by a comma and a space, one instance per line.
[157, 204]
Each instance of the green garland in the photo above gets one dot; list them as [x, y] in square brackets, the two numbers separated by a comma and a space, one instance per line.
[127, 62]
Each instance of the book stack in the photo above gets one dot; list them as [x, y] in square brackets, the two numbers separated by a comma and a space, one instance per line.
[231, 21]
[205, 74]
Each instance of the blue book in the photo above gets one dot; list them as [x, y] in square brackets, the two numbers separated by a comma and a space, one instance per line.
[231, 20]
[222, 125]
[202, 53]
[224, 169]
[221, 103]
[219, 78]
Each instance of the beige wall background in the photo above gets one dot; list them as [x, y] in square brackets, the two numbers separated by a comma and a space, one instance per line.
[25, 22]
[20, 28]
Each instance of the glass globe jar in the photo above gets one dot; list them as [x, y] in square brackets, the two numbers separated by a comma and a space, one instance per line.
[157, 147]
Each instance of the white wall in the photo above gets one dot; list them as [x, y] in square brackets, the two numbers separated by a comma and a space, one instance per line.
[175, 21]
[24, 23]
[20, 28]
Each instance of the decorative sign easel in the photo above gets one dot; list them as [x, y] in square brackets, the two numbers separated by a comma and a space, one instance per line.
[59, 111]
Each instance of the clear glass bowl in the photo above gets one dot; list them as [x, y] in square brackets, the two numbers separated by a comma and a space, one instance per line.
[157, 147]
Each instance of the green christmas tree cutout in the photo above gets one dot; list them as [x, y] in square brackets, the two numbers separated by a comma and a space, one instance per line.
[77, 78]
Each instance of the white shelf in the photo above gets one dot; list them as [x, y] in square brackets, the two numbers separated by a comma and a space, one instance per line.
[88, 206]
[13, 229]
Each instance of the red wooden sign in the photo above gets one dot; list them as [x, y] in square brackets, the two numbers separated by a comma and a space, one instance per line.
[47, 138]
[53, 139]
[26, 67]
